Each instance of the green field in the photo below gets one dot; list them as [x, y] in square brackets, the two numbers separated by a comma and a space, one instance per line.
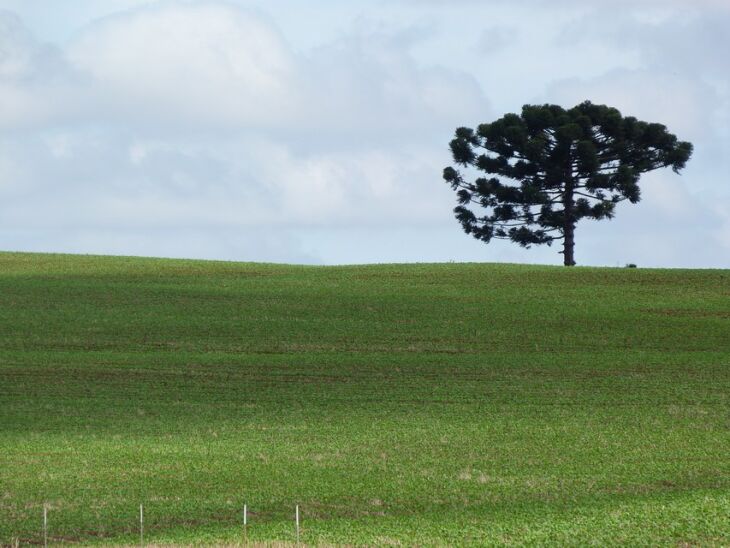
[416, 404]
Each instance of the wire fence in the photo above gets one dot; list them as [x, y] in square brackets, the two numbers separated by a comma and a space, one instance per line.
[144, 527]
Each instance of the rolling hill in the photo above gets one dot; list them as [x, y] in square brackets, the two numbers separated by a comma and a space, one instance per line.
[430, 404]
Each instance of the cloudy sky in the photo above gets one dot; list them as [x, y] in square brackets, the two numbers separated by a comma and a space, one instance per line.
[316, 132]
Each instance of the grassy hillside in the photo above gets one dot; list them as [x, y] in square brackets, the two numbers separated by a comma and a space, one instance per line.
[432, 404]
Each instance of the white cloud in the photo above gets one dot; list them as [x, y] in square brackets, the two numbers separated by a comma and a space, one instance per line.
[198, 129]
[217, 65]
[36, 85]
[207, 63]
[201, 115]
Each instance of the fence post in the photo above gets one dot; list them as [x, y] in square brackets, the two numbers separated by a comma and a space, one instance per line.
[297, 520]
[245, 524]
[141, 525]
[45, 525]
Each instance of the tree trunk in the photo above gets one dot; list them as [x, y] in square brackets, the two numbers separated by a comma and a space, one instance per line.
[569, 223]
[569, 244]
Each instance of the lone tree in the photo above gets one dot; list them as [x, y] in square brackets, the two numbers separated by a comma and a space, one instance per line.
[561, 166]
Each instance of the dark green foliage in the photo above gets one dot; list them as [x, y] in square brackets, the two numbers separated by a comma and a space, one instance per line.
[562, 166]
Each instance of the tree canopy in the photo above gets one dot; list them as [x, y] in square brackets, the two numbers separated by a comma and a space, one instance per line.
[535, 175]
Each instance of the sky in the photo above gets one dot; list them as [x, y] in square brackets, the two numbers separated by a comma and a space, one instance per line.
[316, 132]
